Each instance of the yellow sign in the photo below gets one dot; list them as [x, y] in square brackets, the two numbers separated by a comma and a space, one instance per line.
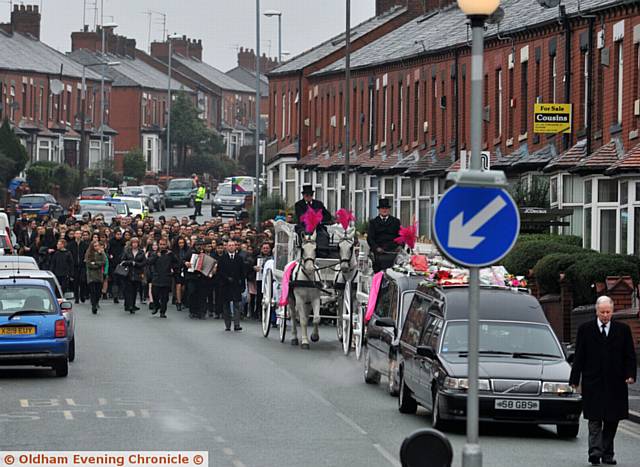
[552, 118]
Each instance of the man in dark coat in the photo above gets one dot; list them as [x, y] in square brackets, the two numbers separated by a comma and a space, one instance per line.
[134, 259]
[383, 230]
[606, 360]
[162, 265]
[307, 201]
[116, 250]
[61, 265]
[231, 274]
[78, 248]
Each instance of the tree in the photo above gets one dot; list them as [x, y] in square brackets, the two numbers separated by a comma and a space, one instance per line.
[134, 165]
[13, 155]
[218, 165]
[247, 160]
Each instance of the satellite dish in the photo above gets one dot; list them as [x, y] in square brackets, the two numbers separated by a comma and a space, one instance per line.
[56, 86]
[549, 3]
[497, 16]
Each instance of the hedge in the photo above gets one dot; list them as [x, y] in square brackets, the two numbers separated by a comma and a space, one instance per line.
[524, 256]
[43, 175]
[566, 239]
[547, 270]
[592, 268]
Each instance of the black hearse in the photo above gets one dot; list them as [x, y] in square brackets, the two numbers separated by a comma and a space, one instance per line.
[524, 374]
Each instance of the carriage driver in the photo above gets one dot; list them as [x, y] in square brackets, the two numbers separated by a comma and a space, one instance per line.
[301, 207]
[383, 230]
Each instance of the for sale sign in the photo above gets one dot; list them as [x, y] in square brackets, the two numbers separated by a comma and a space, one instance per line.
[552, 118]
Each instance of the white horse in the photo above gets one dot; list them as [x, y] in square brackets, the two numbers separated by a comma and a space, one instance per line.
[348, 263]
[306, 284]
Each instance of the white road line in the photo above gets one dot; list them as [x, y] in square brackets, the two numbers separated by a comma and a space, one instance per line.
[70, 402]
[67, 414]
[24, 402]
[387, 455]
[351, 423]
[228, 451]
[320, 398]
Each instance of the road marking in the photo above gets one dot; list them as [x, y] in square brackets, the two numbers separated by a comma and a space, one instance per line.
[128, 414]
[630, 429]
[70, 402]
[24, 402]
[351, 423]
[67, 414]
[228, 451]
[320, 398]
[387, 455]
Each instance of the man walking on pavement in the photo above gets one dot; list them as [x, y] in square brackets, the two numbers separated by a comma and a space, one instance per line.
[231, 272]
[162, 265]
[200, 194]
[605, 361]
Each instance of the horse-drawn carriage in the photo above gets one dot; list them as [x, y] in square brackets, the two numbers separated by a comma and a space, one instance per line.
[298, 280]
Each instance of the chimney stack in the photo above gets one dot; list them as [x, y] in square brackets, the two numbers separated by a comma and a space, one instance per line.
[414, 7]
[25, 19]
[247, 60]
[182, 46]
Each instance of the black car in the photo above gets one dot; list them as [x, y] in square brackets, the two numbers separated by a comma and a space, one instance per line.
[156, 196]
[524, 374]
[382, 336]
[226, 203]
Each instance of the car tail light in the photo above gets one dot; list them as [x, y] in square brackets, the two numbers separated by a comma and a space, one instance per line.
[61, 328]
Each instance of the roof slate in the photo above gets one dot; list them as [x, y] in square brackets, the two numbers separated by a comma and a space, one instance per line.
[447, 28]
[248, 78]
[309, 57]
[130, 72]
[212, 74]
[569, 158]
[23, 53]
[630, 161]
[603, 158]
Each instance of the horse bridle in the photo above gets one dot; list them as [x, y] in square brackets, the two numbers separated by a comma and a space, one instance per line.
[348, 260]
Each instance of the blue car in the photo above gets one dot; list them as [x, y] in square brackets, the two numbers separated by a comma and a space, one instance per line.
[39, 205]
[33, 329]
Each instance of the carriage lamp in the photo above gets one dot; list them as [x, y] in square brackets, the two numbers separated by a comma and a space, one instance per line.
[478, 7]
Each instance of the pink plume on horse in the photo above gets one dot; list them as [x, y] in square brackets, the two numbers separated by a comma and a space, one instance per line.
[344, 217]
[311, 219]
[407, 236]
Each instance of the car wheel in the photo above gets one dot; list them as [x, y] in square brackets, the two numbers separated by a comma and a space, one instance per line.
[62, 368]
[191, 203]
[371, 376]
[436, 420]
[406, 402]
[568, 431]
[72, 350]
[393, 387]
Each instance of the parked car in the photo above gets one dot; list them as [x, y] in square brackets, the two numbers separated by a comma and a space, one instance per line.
[136, 205]
[227, 203]
[107, 212]
[137, 192]
[33, 329]
[156, 195]
[382, 337]
[122, 209]
[39, 205]
[21, 263]
[59, 293]
[524, 373]
[95, 192]
[181, 191]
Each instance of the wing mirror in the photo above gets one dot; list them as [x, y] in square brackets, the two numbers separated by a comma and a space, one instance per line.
[385, 323]
[66, 306]
[570, 352]
[68, 295]
[426, 351]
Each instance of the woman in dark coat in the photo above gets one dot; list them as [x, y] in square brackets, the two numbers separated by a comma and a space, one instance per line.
[183, 254]
[95, 259]
[134, 259]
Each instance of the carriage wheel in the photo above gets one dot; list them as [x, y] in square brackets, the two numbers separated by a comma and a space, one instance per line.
[358, 329]
[347, 318]
[282, 326]
[266, 303]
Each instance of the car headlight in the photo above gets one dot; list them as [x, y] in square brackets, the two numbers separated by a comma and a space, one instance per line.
[557, 388]
[218, 200]
[239, 201]
[463, 384]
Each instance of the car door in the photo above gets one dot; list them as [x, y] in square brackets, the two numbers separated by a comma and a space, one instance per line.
[414, 323]
[427, 365]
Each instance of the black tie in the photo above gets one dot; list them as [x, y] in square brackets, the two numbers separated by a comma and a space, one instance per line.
[604, 332]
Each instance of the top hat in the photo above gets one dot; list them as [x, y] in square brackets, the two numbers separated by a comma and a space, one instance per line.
[307, 190]
[384, 203]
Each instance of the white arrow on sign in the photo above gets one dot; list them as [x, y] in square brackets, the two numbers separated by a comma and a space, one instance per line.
[461, 235]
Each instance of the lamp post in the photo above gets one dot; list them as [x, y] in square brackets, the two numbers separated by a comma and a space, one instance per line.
[347, 108]
[83, 91]
[258, 158]
[270, 14]
[102, 26]
[477, 11]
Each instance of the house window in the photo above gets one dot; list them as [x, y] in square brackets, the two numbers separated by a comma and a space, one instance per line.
[585, 89]
[443, 113]
[624, 193]
[587, 191]
[68, 106]
[373, 195]
[511, 85]
[406, 200]
[332, 200]
[25, 108]
[553, 190]
[524, 98]
[359, 195]
[463, 121]
[587, 228]
[385, 113]
[624, 216]
[389, 190]
[275, 183]
[416, 109]
[607, 230]
[485, 102]
[290, 183]
[44, 149]
[636, 79]
[434, 120]
[392, 117]
[400, 110]
[94, 154]
[498, 104]
[607, 191]
[407, 107]
[425, 207]
[284, 115]
[41, 104]
[571, 189]
[618, 78]
[599, 97]
[370, 117]
[554, 78]
[11, 102]
[289, 116]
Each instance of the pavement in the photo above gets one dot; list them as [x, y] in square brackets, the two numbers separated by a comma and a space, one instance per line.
[634, 401]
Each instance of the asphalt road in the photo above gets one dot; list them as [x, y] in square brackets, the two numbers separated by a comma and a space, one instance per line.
[140, 382]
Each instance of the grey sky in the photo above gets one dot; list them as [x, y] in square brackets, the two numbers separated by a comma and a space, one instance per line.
[223, 25]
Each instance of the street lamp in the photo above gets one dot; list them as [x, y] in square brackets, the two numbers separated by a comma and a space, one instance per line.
[170, 38]
[477, 11]
[270, 14]
[83, 88]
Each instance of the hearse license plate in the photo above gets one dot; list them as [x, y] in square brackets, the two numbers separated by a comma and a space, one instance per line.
[516, 404]
[17, 330]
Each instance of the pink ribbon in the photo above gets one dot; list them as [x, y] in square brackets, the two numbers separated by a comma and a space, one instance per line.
[373, 294]
[286, 278]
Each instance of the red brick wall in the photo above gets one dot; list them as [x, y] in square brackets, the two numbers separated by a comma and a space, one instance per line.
[126, 120]
[182, 46]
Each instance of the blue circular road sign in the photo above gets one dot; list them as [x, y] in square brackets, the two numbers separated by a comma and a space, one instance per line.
[476, 226]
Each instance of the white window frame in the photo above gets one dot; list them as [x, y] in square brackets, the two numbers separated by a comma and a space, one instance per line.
[284, 114]
[499, 109]
[385, 99]
[554, 74]
[619, 101]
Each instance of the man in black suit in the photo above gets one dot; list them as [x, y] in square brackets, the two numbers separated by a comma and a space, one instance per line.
[231, 275]
[307, 201]
[606, 360]
[383, 230]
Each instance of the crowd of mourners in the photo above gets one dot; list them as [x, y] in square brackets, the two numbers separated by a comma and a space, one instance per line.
[139, 262]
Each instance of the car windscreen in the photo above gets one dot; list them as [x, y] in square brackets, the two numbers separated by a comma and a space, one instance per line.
[92, 192]
[33, 199]
[132, 190]
[224, 190]
[180, 185]
[149, 190]
[133, 203]
[503, 337]
[95, 209]
[20, 297]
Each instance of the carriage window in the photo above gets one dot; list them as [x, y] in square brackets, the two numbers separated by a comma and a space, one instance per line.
[415, 319]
